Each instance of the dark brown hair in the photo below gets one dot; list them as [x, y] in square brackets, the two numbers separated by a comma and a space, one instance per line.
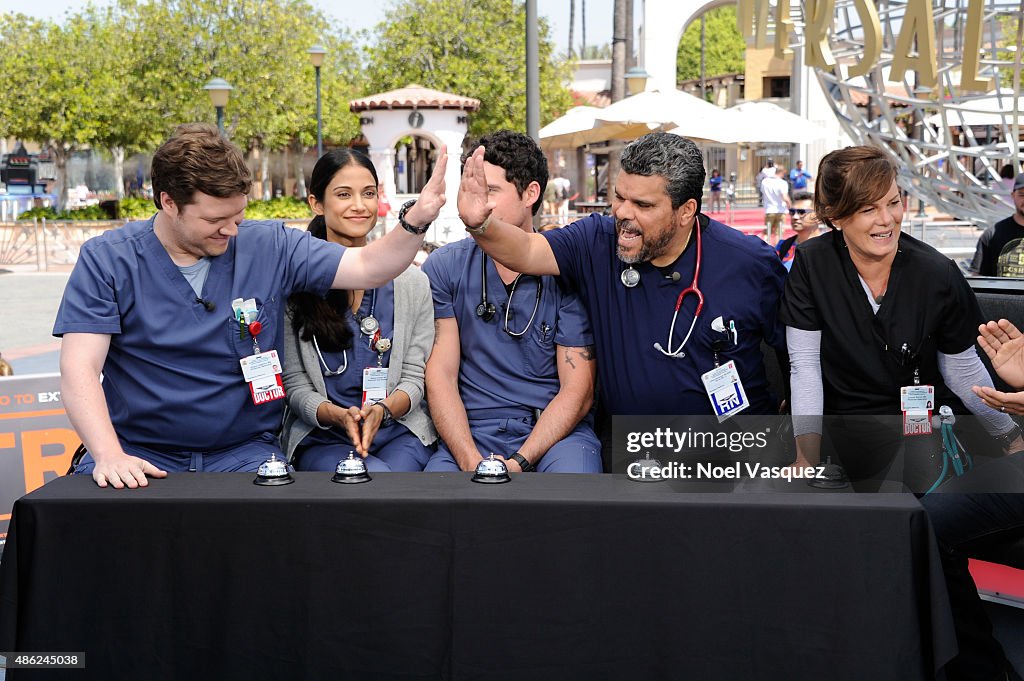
[198, 159]
[312, 315]
[849, 179]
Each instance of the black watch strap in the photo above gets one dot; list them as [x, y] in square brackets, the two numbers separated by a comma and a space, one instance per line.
[389, 418]
[405, 225]
[1006, 439]
[523, 463]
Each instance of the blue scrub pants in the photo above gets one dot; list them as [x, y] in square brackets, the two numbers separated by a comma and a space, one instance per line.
[969, 512]
[577, 452]
[243, 458]
[394, 449]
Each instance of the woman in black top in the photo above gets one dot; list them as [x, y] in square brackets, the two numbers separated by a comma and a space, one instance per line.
[869, 310]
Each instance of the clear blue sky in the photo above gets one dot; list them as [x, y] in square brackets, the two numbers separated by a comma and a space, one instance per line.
[599, 14]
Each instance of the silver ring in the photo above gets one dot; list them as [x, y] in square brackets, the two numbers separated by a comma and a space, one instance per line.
[1003, 409]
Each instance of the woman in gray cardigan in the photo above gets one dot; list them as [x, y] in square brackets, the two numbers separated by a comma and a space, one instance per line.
[353, 361]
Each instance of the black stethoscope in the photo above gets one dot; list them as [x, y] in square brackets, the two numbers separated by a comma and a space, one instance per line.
[693, 288]
[486, 310]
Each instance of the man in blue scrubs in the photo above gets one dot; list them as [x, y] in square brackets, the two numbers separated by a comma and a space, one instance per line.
[512, 368]
[630, 270]
[152, 306]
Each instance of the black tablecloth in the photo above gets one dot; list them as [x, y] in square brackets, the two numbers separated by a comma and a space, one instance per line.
[429, 576]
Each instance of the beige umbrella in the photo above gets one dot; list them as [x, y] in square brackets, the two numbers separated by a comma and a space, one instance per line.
[673, 110]
[579, 126]
[767, 122]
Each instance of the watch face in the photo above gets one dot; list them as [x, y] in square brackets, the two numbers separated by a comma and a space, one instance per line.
[416, 119]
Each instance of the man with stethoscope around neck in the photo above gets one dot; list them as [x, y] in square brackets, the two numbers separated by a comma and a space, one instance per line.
[512, 367]
[668, 303]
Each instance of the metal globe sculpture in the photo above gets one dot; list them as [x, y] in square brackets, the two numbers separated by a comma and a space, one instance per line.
[934, 82]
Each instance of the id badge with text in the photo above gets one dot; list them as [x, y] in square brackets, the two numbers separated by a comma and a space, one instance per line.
[375, 384]
[263, 374]
[725, 390]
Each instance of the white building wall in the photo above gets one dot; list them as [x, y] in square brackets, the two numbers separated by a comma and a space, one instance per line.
[441, 127]
[663, 25]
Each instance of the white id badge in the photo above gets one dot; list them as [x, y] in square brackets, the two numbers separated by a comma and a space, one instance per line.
[725, 390]
[263, 374]
[375, 384]
[917, 403]
[263, 365]
[916, 397]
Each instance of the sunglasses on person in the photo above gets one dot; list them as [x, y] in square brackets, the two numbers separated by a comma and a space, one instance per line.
[799, 211]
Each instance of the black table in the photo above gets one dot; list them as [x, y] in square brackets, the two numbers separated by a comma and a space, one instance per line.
[429, 576]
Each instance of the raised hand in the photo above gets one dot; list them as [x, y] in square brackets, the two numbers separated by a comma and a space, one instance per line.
[475, 205]
[1004, 345]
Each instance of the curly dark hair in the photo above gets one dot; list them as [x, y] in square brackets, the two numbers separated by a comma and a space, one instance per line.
[519, 156]
[312, 315]
[675, 158]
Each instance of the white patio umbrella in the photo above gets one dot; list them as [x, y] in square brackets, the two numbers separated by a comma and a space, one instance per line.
[767, 122]
[673, 110]
[579, 126]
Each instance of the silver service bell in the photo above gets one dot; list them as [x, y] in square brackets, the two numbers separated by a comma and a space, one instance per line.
[273, 471]
[833, 477]
[351, 470]
[645, 468]
[491, 471]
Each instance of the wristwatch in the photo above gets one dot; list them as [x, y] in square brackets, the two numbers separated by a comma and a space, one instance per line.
[389, 418]
[1006, 439]
[401, 219]
[523, 463]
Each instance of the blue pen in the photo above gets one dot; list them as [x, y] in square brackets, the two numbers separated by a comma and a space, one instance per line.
[732, 330]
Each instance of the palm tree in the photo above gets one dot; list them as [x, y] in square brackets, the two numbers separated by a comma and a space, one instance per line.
[572, 24]
[583, 28]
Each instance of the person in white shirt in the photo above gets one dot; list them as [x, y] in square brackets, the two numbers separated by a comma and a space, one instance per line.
[775, 191]
[762, 175]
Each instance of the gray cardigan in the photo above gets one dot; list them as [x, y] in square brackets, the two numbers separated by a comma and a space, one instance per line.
[413, 338]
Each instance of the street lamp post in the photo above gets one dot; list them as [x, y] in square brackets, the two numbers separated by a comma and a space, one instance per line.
[636, 80]
[316, 58]
[219, 90]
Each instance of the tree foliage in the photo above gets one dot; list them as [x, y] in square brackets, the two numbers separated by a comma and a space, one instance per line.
[475, 49]
[724, 46]
[259, 47]
[122, 77]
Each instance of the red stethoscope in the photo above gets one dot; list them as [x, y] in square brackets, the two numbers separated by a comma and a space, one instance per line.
[694, 289]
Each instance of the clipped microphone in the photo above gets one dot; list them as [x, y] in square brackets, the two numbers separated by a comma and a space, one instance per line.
[674, 276]
[208, 304]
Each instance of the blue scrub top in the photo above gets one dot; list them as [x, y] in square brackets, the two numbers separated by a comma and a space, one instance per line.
[497, 370]
[346, 389]
[741, 279]
[172, 377]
